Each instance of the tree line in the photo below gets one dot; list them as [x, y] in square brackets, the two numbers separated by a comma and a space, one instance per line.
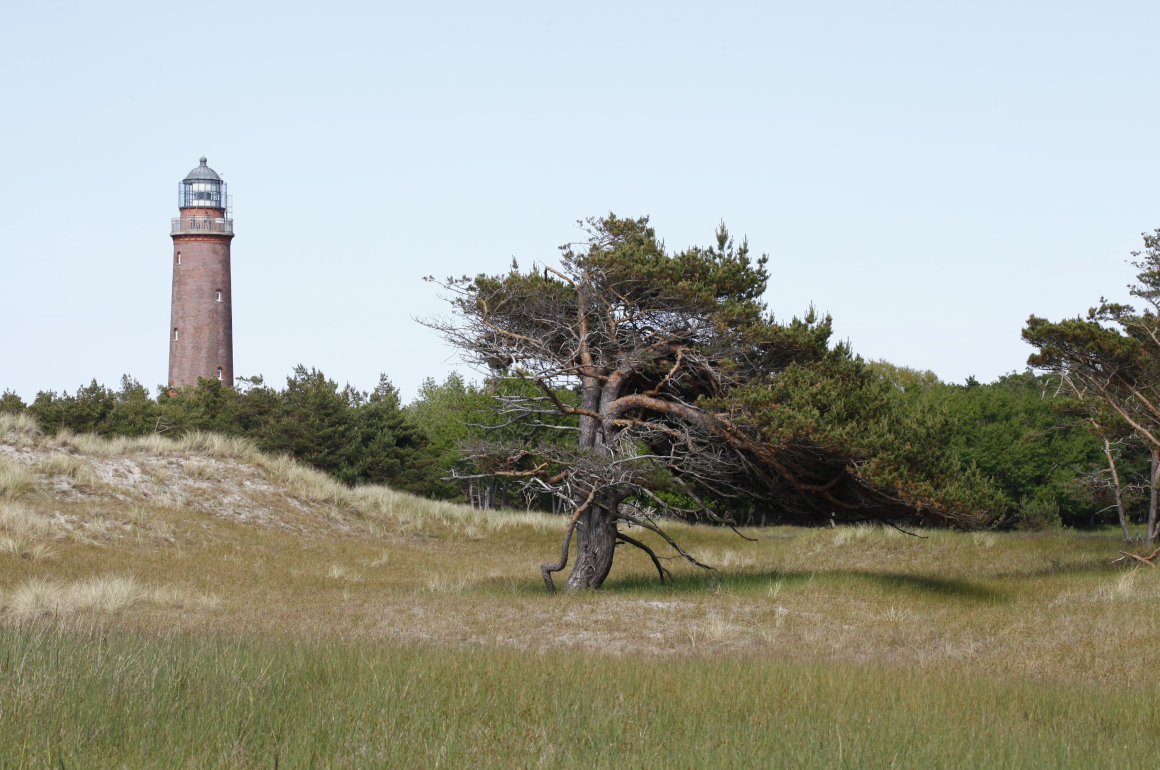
[1047, 467]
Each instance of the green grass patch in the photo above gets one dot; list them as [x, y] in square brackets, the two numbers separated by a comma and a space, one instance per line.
[122, 699]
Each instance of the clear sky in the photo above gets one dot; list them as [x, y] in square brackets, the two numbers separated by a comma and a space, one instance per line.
[929, 173]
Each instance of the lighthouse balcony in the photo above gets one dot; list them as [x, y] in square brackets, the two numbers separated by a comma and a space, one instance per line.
[202, 226]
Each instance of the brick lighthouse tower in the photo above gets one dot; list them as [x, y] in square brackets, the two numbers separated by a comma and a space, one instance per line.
[201, 334]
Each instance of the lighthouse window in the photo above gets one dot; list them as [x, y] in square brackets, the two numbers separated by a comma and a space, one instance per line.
[219, 295]
[175, 335]
[219, 372]
[206, 194]
[179, 257]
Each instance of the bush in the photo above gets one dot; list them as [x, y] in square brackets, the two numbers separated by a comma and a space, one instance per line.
[10, 403]
[1037, 514]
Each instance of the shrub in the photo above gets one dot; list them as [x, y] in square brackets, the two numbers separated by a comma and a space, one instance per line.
[1037, 514]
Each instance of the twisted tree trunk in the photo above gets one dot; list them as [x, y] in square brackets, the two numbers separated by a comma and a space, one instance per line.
[596, 527]
[595, 544]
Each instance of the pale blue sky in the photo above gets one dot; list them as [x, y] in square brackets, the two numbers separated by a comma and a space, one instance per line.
[930, 174]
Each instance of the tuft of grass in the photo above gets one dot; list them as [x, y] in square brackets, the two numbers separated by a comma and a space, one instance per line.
[1123, 586]
[38, 598]
[205, 444]
[95, 446]
[102, 595]
[18, 429]
[25, 547]
[442, 583]
[219, 447]
[21, 518]
[196, 469]
[852, 534]
[896, 615]
[339, 572]
[24, 532]
[729, 559]
[60, 463]
[499, 521]
[16, 481]
[721, 631]
[144, 522]
[309, 485]
[984, 539]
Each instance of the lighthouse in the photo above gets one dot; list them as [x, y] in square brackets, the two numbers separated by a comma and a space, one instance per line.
[201, 335]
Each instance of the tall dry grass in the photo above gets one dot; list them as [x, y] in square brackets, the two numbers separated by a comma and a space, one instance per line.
[18, 429]
[127, 700]
[61, 463]
[15, 481]
[24, 532]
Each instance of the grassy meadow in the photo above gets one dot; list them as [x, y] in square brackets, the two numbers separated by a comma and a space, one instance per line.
[193, 603]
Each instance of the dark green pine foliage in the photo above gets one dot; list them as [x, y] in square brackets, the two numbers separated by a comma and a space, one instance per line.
[838, 415]
[313, 422]
[95, 408]
[11, 403]
[213, 408]
[87, 411]
[390, 448]
[133, 412]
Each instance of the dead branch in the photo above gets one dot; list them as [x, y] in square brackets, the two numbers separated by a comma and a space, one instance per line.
[1150, 559]
[661, 571]
[652, 527]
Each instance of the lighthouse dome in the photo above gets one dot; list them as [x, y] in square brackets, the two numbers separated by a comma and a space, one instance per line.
[202, 172]
[202, 188]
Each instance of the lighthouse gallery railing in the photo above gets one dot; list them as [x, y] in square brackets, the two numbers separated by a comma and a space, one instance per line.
[213, 225]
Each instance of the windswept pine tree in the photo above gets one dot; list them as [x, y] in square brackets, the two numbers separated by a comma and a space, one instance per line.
[692, 400]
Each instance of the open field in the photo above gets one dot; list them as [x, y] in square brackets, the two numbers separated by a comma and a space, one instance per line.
[194, 603]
